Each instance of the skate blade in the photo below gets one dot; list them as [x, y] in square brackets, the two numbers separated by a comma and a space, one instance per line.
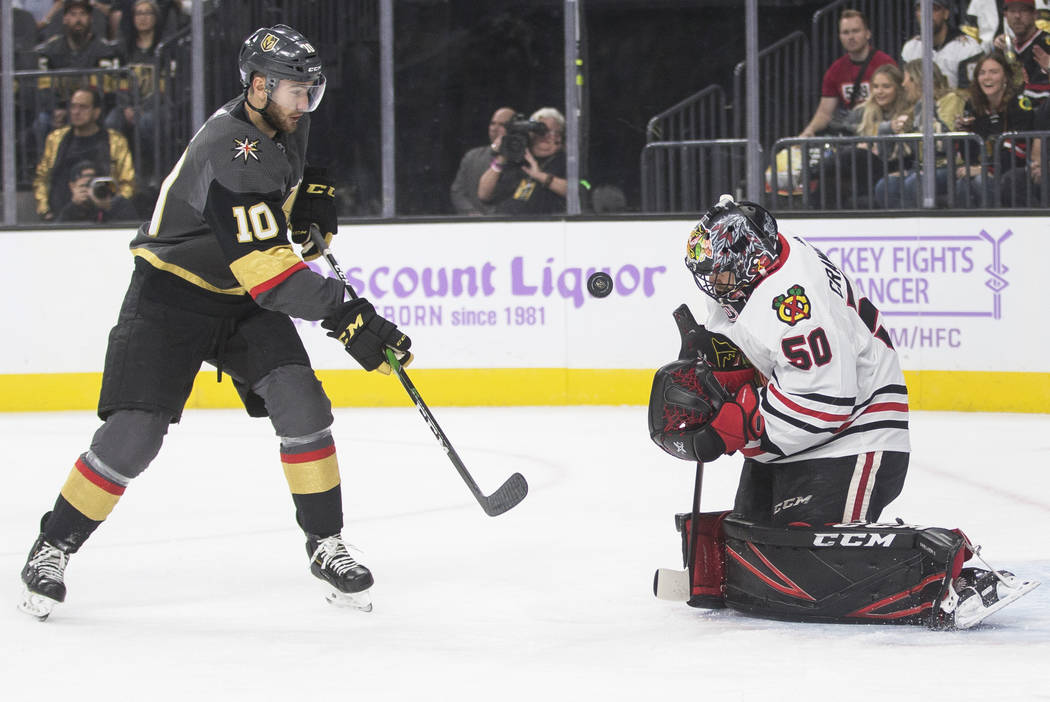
[1014, 588]
[361, 601]
[36, 605]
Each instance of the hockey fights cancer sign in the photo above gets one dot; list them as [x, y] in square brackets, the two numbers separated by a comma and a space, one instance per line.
[930, 289]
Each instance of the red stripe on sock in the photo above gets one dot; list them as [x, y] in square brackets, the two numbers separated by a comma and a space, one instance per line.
[309, 455]
[96, 479]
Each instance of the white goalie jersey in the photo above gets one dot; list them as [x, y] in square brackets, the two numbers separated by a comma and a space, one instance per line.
[835, 386]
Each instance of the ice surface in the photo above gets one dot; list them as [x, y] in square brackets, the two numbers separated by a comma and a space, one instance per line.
[197, 586]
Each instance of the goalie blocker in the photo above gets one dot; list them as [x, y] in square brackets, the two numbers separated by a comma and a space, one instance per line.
[841, 573]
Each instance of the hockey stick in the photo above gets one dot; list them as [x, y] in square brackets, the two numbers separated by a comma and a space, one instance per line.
[671, 584]
[512, 491]
[694, 524]
[677, 585]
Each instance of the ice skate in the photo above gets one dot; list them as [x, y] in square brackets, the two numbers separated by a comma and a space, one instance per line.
[43, 578]
[981, 593]
[349, 581]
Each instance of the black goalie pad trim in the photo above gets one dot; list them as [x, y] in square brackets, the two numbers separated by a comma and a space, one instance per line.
[856, 573]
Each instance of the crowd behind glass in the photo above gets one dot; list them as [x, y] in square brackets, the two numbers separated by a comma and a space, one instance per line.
[87, 74]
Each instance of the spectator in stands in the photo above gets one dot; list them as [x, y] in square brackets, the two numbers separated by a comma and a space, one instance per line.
[994, 107]
[464, 190]
[848, 172]
[94, 198]
[170, 18]
[846, 83]
[76, 47]
[954, 52]
[903, 189]
[54, 17]
[1030, 44]
[535, 185]
[133, 113]
[1022, 187]
[83, 140]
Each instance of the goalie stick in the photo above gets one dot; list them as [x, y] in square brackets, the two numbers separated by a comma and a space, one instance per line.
[677, 585]
[512, 491]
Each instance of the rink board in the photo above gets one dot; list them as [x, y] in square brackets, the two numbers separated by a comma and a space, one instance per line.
[499, 315]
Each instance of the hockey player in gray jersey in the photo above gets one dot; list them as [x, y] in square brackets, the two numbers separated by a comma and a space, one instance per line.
[795, 370]
[215, 280]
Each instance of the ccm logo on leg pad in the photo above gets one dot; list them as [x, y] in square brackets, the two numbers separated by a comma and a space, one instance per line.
[863, 539]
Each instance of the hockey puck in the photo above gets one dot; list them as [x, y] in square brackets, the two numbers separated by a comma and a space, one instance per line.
[600, 284]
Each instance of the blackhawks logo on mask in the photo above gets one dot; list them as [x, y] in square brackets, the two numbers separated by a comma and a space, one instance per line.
[793, 307]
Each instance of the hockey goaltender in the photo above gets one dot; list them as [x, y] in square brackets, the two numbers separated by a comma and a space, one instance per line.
[795, 370]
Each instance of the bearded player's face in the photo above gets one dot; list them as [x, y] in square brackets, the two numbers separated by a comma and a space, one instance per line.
[289, 101]
[286, 120]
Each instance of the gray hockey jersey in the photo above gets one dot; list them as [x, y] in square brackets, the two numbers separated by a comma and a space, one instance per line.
[221, 218]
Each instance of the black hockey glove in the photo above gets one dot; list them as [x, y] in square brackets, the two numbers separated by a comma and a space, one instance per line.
[685, 397]
[314, 204]
[367, 336]
[692, 417]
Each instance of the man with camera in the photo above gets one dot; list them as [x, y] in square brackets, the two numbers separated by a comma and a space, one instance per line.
[527, 176]
[82, 140]
[95, 199]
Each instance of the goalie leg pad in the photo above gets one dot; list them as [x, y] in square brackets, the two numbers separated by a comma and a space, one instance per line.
[849, 573]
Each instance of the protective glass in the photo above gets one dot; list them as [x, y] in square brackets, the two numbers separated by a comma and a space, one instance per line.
[298, 96]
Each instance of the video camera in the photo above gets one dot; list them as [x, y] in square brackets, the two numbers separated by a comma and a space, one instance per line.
[516, 140]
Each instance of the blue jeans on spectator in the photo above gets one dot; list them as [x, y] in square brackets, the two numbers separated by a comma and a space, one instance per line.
[903, 191]
[976, 191]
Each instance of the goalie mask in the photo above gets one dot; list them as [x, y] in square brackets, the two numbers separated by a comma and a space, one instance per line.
[732, 248]
[294, 73]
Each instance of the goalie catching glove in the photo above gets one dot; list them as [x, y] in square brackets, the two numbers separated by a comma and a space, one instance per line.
[367, 336]
[314, 204]
[693, 417]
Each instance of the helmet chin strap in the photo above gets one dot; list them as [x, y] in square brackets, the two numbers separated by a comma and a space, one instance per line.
[262, 110]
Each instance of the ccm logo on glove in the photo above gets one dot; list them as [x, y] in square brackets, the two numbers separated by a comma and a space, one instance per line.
[321, 189]
[367, 336]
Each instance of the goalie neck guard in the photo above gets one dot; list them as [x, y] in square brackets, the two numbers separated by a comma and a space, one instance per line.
[733, 247]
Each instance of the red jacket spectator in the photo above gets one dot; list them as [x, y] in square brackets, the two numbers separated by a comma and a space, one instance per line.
[846, 82]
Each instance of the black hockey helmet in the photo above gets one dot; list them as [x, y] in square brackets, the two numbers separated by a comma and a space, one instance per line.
[281, 53]
[733, 247]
